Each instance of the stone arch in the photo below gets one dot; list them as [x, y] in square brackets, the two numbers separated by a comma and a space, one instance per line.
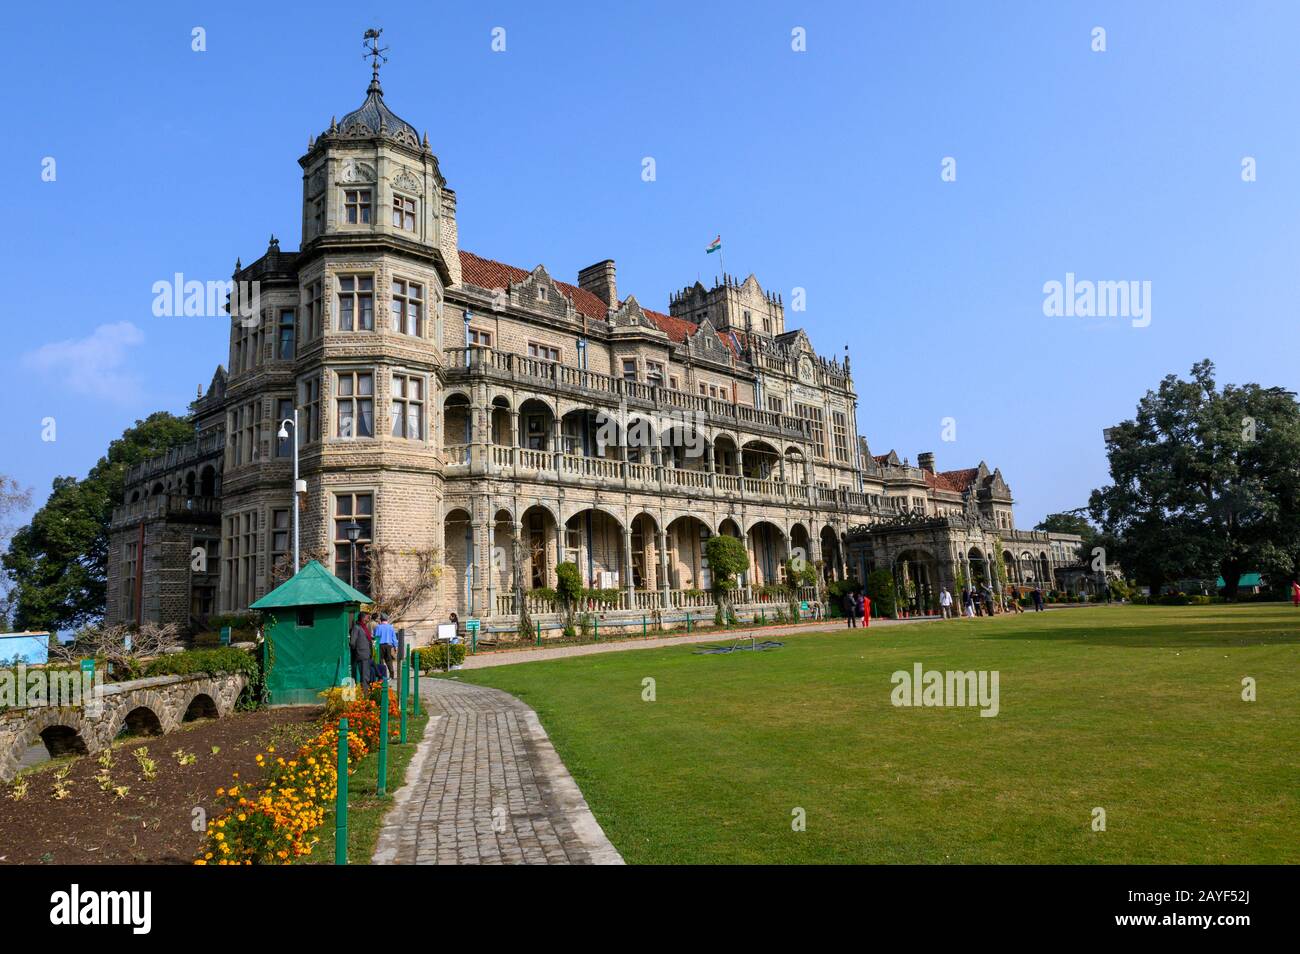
[573, 509]
[208, 481]
[768, 547]
[200, 706]
[729, 526]
[62, 731]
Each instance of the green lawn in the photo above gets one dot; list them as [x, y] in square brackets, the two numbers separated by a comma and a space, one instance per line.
[1136, 710]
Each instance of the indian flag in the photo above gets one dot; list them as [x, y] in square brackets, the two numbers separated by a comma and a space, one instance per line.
[714, 246]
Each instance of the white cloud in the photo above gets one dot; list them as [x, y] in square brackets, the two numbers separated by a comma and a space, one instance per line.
[92, 365]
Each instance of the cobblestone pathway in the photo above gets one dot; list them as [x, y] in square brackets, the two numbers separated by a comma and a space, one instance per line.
[486, 787]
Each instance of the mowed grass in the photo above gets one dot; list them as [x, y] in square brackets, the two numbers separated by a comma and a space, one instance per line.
[1136, 710]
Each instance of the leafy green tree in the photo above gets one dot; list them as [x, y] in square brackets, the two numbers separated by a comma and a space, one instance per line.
[880, 590]
[1204, 480]
[1072, 522]
[727, 560]
[58, 563]
[13, 498]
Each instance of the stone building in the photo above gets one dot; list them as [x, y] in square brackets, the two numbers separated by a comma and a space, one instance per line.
[487, 422]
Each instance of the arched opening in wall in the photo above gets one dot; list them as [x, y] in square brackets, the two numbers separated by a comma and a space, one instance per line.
[1027, 568]
[536, 425]
[537, 539]
[135, 496]
[726, 456]
[589, 433]
[800, 545]
[1045, 570]
[639, 440]
[141, 721]
[646, 572]
[201, 706]
[593, 540]
[767, 553]
[61, 740]
[916, 580]
[687, 567]
[759, 460]
[978, 567]
[208, 482]
[729, 528]
[157, 489]
[832, 559]
[501, 435]
[1009, 565]
[501, 566]
[457, 421]
[458, 561]
[685, 448]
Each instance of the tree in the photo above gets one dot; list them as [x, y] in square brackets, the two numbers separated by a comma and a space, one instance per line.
[1204, 480]
[401, 580]
[879, 588]
[59, 562]
[1071, 522]
[727, 560]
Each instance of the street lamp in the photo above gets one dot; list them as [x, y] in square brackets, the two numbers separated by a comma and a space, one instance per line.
[352, 531]
[299, 486]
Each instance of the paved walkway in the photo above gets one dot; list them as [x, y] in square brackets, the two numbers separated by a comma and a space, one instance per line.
[486, 787]
[508, 657]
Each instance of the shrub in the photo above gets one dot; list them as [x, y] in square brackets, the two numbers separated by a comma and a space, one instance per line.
[225, 660]
[880, 589]
[441, 656]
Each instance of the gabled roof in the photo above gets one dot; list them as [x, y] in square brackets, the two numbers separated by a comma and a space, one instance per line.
[488, 274]
[955, 480]
[313, 585]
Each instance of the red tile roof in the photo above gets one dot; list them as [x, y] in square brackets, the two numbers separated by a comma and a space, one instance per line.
[488, 273]
[955, 480]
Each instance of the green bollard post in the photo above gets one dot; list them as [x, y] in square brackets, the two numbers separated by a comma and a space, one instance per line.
[415, 678]
[688, 622]
[406, 688]
[473, 647]
[539, 633]
[595, 629]
[643, 631]
[383, 738]
[341, 799]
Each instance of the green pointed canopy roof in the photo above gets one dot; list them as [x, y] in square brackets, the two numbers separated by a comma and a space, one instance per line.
[313, 585]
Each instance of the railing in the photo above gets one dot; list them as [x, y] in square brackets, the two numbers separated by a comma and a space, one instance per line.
[610, 470]
[201, 509]
[207, 446]
[645, 601]
[551, 374]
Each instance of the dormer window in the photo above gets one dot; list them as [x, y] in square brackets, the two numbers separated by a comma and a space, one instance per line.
[541, 293]
[403, 213]
[356, 206]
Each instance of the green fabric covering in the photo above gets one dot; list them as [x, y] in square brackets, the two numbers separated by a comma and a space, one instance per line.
[313, 585]
[307, 660]
[1247, 579]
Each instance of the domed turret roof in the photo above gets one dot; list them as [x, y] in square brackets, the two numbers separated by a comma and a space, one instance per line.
[373, 118]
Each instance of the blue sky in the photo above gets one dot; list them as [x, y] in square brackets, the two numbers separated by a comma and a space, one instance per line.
[821, 170]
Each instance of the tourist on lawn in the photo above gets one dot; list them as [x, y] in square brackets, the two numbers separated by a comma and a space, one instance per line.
[988, 601]
[863, 606]
[1295, 592]
[387, 638]
[850, 606]
[967, 603]
[945, 603]
[359, 644]
[1038, 600]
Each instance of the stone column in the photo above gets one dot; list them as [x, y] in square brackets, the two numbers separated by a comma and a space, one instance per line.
[630, 586]
[664, 583]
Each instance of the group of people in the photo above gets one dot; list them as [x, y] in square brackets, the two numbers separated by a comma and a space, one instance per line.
[980, 601]
[363, 638]
[857, 606]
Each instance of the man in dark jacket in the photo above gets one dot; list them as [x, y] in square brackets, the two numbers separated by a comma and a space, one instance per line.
[359, 644]
[850, 606]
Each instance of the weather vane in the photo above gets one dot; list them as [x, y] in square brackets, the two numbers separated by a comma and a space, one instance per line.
[373, 50]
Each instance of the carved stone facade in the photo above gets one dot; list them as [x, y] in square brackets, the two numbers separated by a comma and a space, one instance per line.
[509, 420]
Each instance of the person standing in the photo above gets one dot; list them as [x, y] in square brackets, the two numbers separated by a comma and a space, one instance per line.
[1038, 600]
[988, 601]
[1295, 592]
[945, 603]
[386, 636]
[359, 645]
[850, 606]
[864, 609]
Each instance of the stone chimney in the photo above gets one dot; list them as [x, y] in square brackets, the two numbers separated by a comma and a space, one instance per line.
[925, 460]
[599, 280]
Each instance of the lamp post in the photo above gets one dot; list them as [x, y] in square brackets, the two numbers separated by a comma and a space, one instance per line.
[299, 486]
[353, 531]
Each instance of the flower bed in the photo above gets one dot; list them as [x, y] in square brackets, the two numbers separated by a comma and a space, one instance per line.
[274, 821]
